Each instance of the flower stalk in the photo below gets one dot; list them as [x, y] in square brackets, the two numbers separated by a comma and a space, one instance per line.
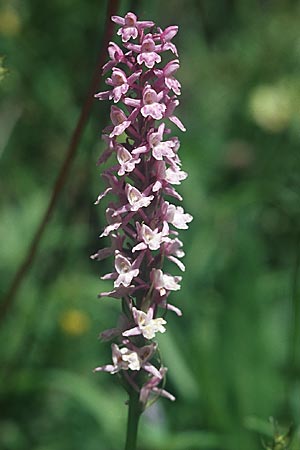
[134, 414]
[142, 223]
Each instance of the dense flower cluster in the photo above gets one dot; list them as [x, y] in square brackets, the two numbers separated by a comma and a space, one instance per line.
[141, 222]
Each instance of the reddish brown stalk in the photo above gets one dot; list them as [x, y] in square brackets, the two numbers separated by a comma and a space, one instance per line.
[112, 9]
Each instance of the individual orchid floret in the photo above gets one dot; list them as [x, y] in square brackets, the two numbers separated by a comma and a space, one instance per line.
[166, 74]
[145, 354]
[136, 198]
[159, 169]
[151, 239]
[123, 359]
[131, 26]
[120, 83]
[126, 161]
[151, 387]
[147, 51]
[152, 107]
[174, 175]
[170, 80]
[159, 148]
[114, 222]
[164, 282]
[119, 121]
[146, 325]
[125, 270]
[172, 250]
[116, 56]
[177, 217]
[171, 104]
[166, 36]
[132, 358]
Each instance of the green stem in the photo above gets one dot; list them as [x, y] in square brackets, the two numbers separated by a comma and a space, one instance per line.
[134, 413]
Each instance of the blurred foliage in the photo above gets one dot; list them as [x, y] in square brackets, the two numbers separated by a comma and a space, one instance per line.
[234, 356]
[281, 440]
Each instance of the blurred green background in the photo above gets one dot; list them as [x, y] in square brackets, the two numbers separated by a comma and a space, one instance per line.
[234, 356]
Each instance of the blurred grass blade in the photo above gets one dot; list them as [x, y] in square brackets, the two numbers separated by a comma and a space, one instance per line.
[104, 406]
[189, 440]
[179, 372]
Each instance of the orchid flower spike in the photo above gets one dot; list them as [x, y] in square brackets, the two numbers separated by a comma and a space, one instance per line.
[142, 223]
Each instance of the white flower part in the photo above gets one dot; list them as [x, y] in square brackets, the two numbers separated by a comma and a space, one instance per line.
[132, 359]
[177, 217]
[173, 84]
[160, 175]
[174, 247]
[174, 175]
[127, 163]
[114, 222]
[168, 72]
[163, 282]
[124, 269]
[173, 252]
[136, 199]
[148, 54]
[151, 238]
[147, 326]
[119, 81]
[156, 186]
[102, 195]
[152, 107]
[119, 121]
[159, 148]
[125, 359]
[131, 26]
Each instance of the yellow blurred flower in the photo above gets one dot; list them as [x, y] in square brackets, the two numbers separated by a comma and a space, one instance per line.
[74, 322]
[271, 107]
[10, 22]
